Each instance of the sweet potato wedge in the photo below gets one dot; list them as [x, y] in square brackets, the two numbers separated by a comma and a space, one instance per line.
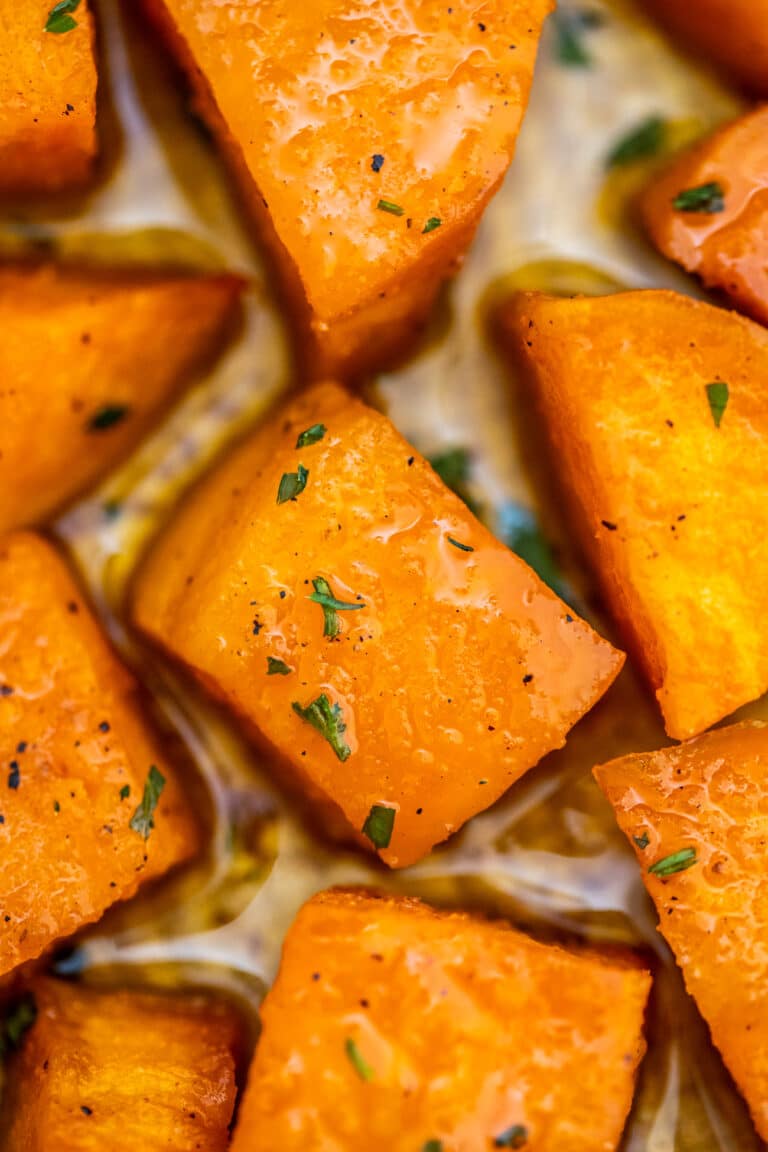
[732, 34]
[394, 1027]
[709, 211]
[367, 143]
[78, 762]
[697, 818]
[446, 668]
[87, 364]
[119, 1071]
[48, 109]
[658, 413]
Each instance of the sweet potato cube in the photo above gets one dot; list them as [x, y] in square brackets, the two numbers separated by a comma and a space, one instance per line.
[48, 108]
[709, 211]
[367, 143]
[697, 817]
[404, 664]
[658, 414]
[732, 34]
[119, 1071]
[87, 364]
[392, 1025]
[84, 817]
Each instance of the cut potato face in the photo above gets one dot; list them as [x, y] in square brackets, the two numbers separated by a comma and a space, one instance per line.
[90, 808]
[405, 666]
[657, 410]
[367, 141]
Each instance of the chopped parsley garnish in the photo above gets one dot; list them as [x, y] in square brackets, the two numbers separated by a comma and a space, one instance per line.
[570, 24]
[60, 17]
[377, 162]
[107, 417]
[514, 1137]
[708, 198]
[361, 1066]
[379, 824]
[388, 206]
[323, 596]
[292, 484]
[431, 224]
[642, 841]
[276, 667]
[518, 528]
[311, 435]
[677, 862]
[142, 820]
[458, 544]
[125, 791]
[432, 1146]
[718, 394]
[453, 467]
[17, 1020]
[645, 139]
[328, 720]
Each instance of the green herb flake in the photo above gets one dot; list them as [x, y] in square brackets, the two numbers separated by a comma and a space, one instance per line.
[311, 436]
[125, 791]
[56, 806]
[276, 667]
[432, 1146]
[458, 544]
[642, 841]
[570, 24]
[60, 17]
[361, 1066]
[642, 141]
[518, 528]
[292, 484]
[454, 467]
[677, 862]
[379, 824]
[142, 820]
[718, 394]
[431, 224]
[107, 417]
[323, 596]
[328, 720]
[17, 1021]
[514, 1137]
[388, 206]
[707, 198]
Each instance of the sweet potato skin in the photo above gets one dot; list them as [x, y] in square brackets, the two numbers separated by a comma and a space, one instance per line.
[732, 34]
[79, 344]
[468, 1028]
[709, 795]
[458, 673]
[73, 737]
[659, 493]
[48, 111]
[727, 249]
[437, 91]
[122, 1070]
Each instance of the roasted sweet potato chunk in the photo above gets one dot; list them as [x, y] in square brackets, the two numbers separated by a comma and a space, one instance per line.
[394, 1027]
[732, 34]
[84, 815]
[106, 1071]
[709, 211]
[48, 107]
[367, 141]
[697, 816]
[658, 414]
[87, 364]
[328, 587]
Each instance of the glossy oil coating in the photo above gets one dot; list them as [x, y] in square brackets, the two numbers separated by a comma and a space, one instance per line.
[72, 740]
[728, 249]
[48, 105]
[326, 108]
[464, 1031]
[87, 364]
[709, 796]
[660, 493]
[104, 1071]
[458, 672]
[733, 34]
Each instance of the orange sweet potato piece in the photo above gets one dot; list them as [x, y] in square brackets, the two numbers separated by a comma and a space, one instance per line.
[732, 34]
[392, 1025]
[326, 110]
[106, 1071]
[662, 482]
[76, 755]
[723, 236]
[453, 670]
[48, 107]
[87, 364]
[702, 808]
